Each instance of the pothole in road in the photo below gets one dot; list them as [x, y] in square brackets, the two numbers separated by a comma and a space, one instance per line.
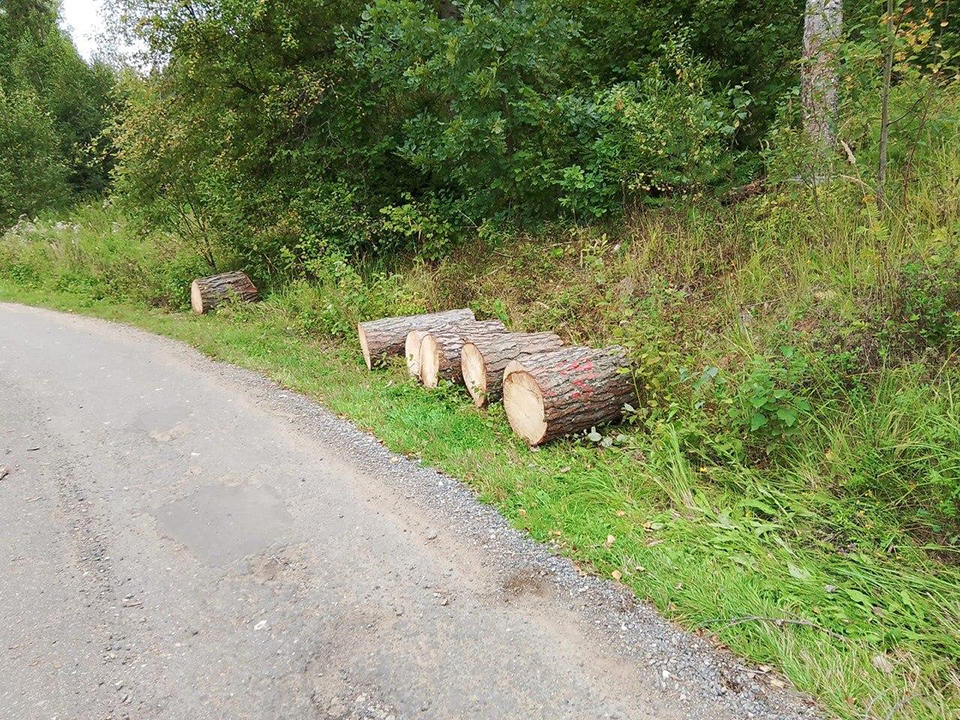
[221, 524]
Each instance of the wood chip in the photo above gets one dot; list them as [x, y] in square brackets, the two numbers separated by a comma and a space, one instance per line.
[4, 471]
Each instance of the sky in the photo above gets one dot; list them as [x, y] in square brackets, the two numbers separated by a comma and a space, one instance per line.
[82, 19]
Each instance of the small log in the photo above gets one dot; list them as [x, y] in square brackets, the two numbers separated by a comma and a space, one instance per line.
[380, 338]
[566, 391]
[483, 360]
[440, 350]
[208, 292]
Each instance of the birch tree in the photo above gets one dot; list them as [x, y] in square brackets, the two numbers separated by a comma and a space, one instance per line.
[822, 28]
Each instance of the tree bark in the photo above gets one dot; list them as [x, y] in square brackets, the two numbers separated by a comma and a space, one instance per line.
[440, 350]
[566, 391]
[380, 338]
[885, 101]
[483, 360]
[823, 27]
[208, 292]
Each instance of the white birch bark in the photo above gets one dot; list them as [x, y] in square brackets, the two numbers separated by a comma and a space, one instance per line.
[822, 30]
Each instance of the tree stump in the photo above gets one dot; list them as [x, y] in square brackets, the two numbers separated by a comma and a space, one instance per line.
[483, 360]
[565, 391]
[208, 292]
[440, 350]
[380, 338]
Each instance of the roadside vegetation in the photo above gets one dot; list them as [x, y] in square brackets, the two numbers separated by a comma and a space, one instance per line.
[789, 481]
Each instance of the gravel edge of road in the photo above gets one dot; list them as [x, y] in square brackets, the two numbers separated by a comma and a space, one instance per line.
[686, 663]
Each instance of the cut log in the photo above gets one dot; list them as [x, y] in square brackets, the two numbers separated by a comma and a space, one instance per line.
[440, 350]
[380, 338]
[566, 391]
[483, 360]
[411, 350]
[415, 339]
[208, 292]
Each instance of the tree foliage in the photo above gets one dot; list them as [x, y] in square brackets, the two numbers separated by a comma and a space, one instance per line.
[55, 106]
[287, 131]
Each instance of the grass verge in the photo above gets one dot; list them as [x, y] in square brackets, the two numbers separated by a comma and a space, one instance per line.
[872, 632]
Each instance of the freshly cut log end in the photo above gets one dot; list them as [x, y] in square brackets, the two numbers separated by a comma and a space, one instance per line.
[387, 336]
[440, 350]
[527, 415]
[411, 350]
[429, 364]
[364, 347]
[208, 292]
[483, 360]
[566, 391]
[474, 373]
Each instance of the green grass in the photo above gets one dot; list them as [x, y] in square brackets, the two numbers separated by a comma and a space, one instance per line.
[712, 545]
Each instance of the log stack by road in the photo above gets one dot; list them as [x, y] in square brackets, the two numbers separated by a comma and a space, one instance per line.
[548, 390]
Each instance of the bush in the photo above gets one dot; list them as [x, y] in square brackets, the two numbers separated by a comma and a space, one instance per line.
[666, 133]
[33, 176]
[925, 313]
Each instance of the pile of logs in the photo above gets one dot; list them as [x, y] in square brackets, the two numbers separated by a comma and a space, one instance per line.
[548, 390]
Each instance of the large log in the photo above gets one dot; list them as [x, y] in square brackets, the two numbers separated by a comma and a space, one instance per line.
[566, 391]
[483, 360]
[440, 350]
[208, 292]
[380, 338]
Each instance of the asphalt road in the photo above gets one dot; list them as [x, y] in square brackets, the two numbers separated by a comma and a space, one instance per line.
[182, 539]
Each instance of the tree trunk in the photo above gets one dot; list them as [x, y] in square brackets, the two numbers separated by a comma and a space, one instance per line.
[440, 350]
[885, 102]
[566, 391]
[380, 338]
[483, 360]
[208, 292]
[823, 26]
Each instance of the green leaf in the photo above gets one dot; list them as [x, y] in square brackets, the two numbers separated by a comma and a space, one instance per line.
[787, 416]
[757, 421]
[761, 506]
[798, 572]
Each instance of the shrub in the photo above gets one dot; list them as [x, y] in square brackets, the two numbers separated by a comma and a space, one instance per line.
[33, 175]
[769, 406]
[668, 132]
[925, 313]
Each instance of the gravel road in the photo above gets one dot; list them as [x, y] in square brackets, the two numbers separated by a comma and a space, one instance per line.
[183, 539]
